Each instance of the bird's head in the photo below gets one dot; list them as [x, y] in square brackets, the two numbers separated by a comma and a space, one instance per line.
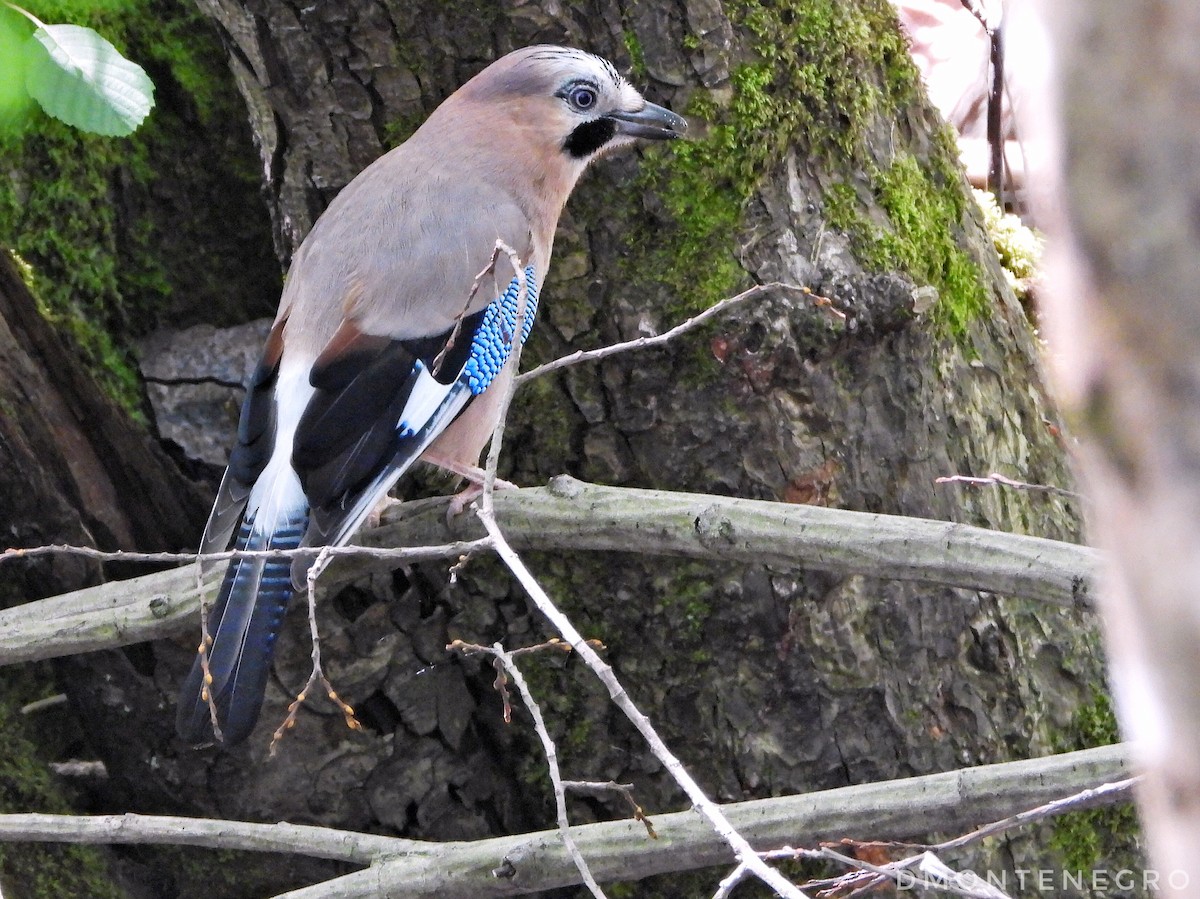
[570, 103]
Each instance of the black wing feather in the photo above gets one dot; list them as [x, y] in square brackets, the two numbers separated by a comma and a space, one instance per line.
[256, 424]
[347, 434]
[343, 411]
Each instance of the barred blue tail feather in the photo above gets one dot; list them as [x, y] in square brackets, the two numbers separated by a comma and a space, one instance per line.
[244, 623]
[386, 342]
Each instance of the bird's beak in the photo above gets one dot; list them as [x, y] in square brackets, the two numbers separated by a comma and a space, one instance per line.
[651, 122]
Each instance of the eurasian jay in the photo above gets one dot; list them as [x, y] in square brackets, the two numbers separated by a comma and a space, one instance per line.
[380, 355]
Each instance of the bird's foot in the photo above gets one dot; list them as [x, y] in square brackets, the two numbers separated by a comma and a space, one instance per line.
[375, 516]
[462, 499]
[475, 477]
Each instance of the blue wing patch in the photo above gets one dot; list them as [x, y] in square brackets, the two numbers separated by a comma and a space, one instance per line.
[430, 399]
[386, 406]
[493, 338]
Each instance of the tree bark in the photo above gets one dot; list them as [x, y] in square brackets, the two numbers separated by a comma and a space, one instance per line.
[821, 164]
[73, 468]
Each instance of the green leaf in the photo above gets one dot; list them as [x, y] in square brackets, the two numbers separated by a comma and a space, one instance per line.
[83, 80]
[14, 98]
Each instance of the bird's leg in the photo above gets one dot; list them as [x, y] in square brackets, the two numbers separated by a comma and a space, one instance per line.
[473, 474]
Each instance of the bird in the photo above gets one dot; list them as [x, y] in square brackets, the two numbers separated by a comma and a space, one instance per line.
[381, 355]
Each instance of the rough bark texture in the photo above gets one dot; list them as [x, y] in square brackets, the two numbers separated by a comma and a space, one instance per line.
[1126, 324]
[74, 469]
[763, 683]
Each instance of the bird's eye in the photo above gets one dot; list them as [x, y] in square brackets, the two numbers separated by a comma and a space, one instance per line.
[582, 97]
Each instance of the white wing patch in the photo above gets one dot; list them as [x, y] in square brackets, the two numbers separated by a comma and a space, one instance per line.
[427, 396]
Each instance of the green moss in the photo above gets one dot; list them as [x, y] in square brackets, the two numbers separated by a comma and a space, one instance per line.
[1018, 246]
[40, 871]
[1102, 836]
[637, 56]
[824, 77]
[111, 227]
[401, 128]
[688, 593]
[924, 205]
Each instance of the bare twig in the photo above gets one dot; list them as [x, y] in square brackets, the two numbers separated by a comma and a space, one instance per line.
[82, 768]
[867, 877]
[317, 673]
[940, 876]
[506, 665]
[554, 643]
[730, 881]
[40, 705]
[315, 842]
[398, 553]
[206, 642]
[486, 514]
[488, 269]
[511, 365]
[1104, 794]
[683, 327]
[995, 479]
[593, 788]
[995, 36]
[705, 806]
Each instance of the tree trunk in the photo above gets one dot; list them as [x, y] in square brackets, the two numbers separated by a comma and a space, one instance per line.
[820, 164]
[74, 469]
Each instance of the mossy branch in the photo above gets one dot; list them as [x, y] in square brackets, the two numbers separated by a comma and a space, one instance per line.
[572, 515]
[616, 850]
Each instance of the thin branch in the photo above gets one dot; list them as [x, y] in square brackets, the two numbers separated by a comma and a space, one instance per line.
[701, 803]
[82, 768]
[315, 842]
[946, 879]
[573, 515]
[401, 554]
[995, 479]
[509, 385]
[488, 269]
[40, 705]
[206, 642]
[593, 788]
[995, 37]
[730, 881]
[1105, 794]
[486, 514]
[683, 327]
[941, 877]
[506, 665]
[317, 674]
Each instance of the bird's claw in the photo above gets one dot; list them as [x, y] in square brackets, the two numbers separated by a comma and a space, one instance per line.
[474, 490]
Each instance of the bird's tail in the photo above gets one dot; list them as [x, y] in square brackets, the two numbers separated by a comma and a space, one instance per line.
[243, 624]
